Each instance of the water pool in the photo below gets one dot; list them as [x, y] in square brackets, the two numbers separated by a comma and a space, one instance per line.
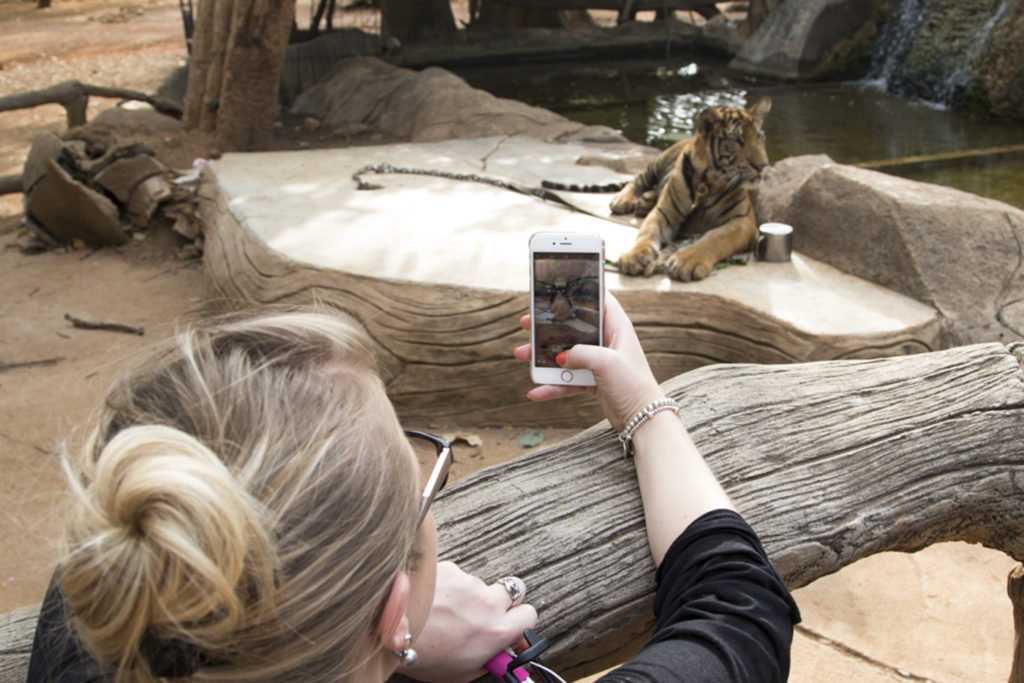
[654, 102]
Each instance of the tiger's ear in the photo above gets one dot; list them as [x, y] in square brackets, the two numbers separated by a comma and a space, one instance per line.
[707, 121]
[761, 109]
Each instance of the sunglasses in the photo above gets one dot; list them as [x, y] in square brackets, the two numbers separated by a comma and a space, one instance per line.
[582, 291]
[434, 456]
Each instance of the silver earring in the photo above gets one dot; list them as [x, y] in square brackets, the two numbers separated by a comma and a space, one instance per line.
[408, 656]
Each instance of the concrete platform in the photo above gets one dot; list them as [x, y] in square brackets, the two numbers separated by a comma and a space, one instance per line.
[453, 252]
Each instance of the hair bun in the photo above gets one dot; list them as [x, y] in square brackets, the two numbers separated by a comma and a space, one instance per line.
[166, 542]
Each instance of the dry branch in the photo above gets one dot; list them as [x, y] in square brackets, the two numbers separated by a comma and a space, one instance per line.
[110, 327]
[74, 97]
[4, 367]
[10, 184]
[830, 462]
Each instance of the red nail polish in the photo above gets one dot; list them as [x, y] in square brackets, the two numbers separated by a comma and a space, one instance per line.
[560, 358]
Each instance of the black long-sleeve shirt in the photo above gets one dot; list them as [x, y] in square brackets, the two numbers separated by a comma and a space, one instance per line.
[723, 613]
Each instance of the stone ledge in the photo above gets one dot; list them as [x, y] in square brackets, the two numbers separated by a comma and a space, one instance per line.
[437, 270]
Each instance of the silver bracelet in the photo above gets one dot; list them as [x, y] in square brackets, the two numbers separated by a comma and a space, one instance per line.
[638, 420]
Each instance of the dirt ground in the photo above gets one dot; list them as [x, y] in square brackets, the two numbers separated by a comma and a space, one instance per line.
[937, 615]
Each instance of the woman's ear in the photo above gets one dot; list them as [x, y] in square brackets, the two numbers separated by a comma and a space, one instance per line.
[394, 623]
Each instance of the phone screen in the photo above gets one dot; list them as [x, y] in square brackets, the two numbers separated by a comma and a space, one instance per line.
[566, 303]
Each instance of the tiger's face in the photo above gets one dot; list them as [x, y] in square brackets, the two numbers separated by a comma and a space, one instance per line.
[734, 140]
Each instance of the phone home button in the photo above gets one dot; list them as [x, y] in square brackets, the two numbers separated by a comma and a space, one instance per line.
[566, 375]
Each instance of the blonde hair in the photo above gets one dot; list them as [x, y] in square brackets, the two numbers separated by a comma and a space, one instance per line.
[245, 500]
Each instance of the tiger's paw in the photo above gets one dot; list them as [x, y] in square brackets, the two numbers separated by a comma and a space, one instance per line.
[687, 265]
[640, 260]
[624, 201]
[645, 203]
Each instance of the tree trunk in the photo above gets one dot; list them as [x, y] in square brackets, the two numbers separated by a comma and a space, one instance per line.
[830, 462]
[235, 71]
[252, 74]
[213, 87]
[412, 21]
[199, 64]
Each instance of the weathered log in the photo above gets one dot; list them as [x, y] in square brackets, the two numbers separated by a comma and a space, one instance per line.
[16, 631]
[830, 462]
[74, 97]
[10, 184]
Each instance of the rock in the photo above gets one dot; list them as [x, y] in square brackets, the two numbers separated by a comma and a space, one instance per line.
[46, 147]
[185, 224]
[805, 39]
[723, 35]
[122, 176]
[950, 249]
[1001, 68]
[968, 54]
[145, 199]
[68, 210]
[429, 106]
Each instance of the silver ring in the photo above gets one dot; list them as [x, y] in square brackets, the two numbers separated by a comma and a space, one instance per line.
[516, 589]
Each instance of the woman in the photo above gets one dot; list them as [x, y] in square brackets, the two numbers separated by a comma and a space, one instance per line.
[249, 509]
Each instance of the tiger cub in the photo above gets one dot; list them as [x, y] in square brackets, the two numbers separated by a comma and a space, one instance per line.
[705, 185]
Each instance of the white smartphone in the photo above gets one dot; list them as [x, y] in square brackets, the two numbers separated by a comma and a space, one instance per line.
[566, 302]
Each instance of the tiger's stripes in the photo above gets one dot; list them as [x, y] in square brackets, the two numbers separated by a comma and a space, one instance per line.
[705, 185]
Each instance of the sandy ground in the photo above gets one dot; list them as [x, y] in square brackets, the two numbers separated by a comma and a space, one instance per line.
[940, 615]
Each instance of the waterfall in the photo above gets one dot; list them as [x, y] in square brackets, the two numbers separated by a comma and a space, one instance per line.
[961, 74]
[894, 41]
[931, 49]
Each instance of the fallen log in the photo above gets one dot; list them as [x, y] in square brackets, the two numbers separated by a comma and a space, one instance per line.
[830, 462]
[16, 631]
[74, 97]
[10, 184]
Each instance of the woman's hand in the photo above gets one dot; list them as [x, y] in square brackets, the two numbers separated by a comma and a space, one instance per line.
[625, 383]
[469, 623]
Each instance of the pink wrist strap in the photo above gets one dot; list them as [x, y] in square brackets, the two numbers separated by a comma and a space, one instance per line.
[499, 665]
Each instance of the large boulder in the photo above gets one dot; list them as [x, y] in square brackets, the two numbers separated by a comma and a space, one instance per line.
[955, 251]
[428, 106]
[965, 53]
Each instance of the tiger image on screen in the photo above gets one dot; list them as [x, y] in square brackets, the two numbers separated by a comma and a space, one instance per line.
[705, 185]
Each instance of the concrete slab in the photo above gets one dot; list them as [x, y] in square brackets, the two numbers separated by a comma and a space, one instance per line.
[469, 234]
[437, 270]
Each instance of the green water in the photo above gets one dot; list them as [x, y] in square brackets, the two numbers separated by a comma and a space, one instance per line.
[654, 102]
